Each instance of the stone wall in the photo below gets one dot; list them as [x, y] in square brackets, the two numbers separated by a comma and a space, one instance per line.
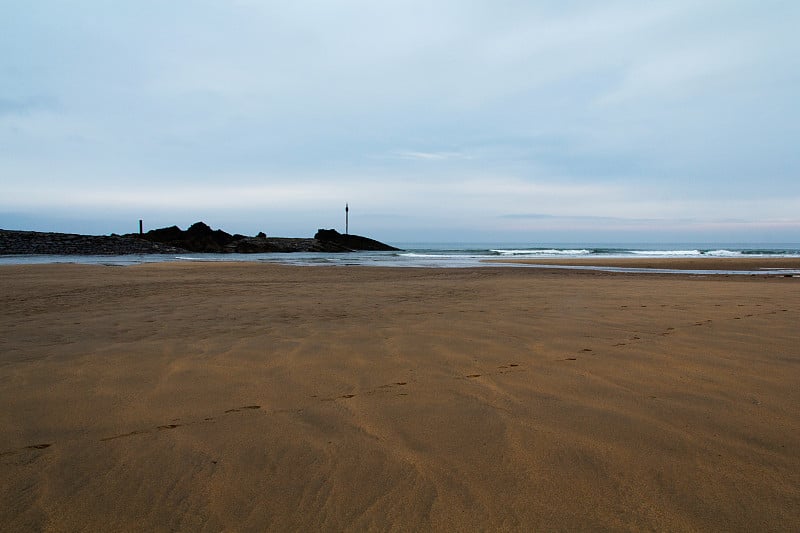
[39, 243]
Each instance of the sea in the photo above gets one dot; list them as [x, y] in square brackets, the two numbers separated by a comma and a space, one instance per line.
[462, 255]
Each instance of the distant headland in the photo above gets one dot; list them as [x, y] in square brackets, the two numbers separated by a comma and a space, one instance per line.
[198, 238]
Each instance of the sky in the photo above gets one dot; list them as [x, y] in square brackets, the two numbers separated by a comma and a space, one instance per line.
[445, 121]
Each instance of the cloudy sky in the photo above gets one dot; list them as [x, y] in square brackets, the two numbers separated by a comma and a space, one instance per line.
[452, 120]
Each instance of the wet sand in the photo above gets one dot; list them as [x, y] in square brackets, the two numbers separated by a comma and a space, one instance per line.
[207, 397]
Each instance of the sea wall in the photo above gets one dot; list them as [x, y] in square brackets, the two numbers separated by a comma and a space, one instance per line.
[44, 243]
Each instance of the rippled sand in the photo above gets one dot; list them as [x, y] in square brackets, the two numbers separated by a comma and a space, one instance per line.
[249, 397]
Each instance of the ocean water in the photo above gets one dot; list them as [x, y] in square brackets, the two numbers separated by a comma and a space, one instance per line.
[459, 255]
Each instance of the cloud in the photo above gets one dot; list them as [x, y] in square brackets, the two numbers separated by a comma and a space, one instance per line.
[431, 156]
[22, 106]
[448, 110]
[677, 74]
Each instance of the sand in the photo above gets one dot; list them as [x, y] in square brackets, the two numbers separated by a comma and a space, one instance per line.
[245, 397]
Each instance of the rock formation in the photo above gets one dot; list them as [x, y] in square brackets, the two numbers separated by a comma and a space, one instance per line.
[352, 242]
[198, 238]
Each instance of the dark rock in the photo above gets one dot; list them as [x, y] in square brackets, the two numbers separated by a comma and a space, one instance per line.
[172, 233]
[198, 238]
[352, 242]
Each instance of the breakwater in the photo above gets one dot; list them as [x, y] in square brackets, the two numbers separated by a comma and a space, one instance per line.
[197, 238]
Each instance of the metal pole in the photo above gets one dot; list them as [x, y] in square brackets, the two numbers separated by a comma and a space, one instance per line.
[140, 226]
[346, 219]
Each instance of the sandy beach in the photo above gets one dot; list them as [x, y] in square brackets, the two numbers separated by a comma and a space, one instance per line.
[249, 397]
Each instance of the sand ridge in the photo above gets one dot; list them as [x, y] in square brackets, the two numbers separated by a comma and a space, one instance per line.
[246, 396]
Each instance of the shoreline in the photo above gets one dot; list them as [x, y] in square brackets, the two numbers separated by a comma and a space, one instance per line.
[758, 266]
[667, 263]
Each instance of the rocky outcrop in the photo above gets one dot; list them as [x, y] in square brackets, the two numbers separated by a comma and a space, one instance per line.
[198, 238]
[201, 238]
[352, 242]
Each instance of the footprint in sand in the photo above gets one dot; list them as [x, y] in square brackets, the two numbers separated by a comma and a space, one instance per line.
[164, 426]
[368, 392]
[131, 434]
[236, 410]
[390, 385]
[31, 447]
